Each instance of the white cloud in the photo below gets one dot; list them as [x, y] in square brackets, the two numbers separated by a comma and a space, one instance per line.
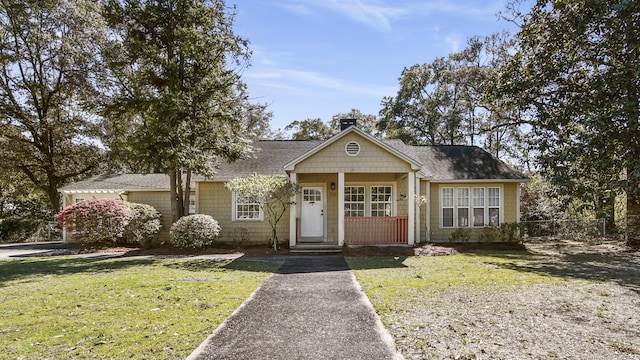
[374, 14]
[381, 15]
[297, 82]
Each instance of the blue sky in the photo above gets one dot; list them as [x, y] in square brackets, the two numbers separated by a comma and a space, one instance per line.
[317, 58]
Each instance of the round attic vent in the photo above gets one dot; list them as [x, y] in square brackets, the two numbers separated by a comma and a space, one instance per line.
[352, 148]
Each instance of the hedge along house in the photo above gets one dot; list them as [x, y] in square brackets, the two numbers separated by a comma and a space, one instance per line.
[354, 189]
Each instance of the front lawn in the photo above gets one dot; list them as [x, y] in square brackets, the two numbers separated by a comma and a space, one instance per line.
[64, 308]
[507, 305]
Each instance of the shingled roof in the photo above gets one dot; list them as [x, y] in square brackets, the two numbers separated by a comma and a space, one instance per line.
[439, 163]
[269, 158]
[458, 162]
[120, 183]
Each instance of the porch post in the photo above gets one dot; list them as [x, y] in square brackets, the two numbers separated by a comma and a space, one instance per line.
[340, 209]
[418, 215]
[411, 213]
[293, 234]
[518, 194]
[428, 207]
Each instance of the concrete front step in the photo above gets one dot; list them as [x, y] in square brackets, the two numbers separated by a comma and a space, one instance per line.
[316, 248]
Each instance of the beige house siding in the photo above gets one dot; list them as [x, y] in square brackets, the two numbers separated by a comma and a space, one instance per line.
[371, 159]
[159, 200]
[509, 193]
[215, 200]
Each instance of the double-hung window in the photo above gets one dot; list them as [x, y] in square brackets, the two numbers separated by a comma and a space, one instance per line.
[478, 207]
[354, 201]
[447, 207]
[493, 200]
[375, 200]
[470, 207]
[381, 201]
[245, 209]
[463, 207]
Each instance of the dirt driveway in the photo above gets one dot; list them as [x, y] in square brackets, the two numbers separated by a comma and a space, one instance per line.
[591, 310]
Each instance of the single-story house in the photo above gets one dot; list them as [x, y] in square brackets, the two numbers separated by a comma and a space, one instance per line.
[355, 189]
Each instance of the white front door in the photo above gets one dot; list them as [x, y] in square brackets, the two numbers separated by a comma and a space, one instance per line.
[312, 212]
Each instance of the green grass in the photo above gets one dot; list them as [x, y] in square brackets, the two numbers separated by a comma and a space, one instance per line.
[63, 307]
[398, 282]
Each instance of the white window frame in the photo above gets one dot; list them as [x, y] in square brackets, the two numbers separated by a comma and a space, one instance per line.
[479, 203]
[389, 202]
[473, 204]
[368, 186]
[363, 202]
[449, 206]
[462, 202]
[235, 209]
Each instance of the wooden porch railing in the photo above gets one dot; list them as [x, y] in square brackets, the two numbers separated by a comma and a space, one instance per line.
[375, 230]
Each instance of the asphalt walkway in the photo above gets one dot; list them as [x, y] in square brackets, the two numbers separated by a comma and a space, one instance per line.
[312, 308]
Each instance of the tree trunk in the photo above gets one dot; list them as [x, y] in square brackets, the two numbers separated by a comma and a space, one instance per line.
[54, 197]
[187, 193]
[274, 236]
[173, 194]
[633, 221]
[180, 197]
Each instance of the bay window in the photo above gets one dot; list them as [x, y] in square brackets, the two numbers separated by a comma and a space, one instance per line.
[470, 207]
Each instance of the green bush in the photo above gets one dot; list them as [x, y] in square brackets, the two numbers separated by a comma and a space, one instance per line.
[194, 231]
[143, 224]
[506, 232]
[460, 235]
[27, 221]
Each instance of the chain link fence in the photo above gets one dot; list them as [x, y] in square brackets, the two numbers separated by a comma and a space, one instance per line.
[569, 229]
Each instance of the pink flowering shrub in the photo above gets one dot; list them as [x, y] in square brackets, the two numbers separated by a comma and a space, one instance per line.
[111, 221]
[95, 221]
[194, 231]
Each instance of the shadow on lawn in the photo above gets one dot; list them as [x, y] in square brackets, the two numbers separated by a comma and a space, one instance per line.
[241, 263]
[19, 269]
[292, 264]
[368, 263]
[620, 268]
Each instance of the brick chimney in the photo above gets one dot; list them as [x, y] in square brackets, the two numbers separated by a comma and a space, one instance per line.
[345, 123]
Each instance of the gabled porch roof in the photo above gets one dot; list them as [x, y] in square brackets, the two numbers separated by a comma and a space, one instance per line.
[415, 165]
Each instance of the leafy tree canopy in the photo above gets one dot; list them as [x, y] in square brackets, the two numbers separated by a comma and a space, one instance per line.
[48, 75]
[310, 129]
[577, 73]
[178, 105]
[365, 122]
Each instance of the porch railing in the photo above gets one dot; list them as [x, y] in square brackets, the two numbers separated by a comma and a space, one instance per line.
[375, 230]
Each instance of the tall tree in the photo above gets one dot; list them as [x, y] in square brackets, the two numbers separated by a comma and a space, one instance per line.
[48, 68]
[428, 107]
[256, 120]
[365, 122]
[445, 101]
[179, 104]
[309, 129]
[578, 73]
